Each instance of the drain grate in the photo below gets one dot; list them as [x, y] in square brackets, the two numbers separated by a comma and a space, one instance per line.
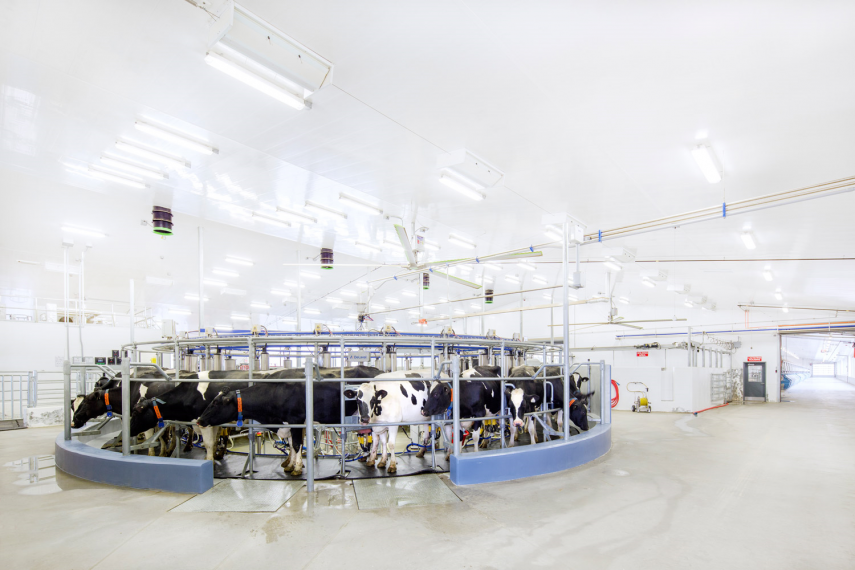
[241, 496]
[402, 492]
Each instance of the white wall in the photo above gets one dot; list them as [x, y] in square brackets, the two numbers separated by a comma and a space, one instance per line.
[41, 346]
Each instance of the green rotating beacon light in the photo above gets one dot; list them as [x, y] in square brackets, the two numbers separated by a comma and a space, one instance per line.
[161, 221]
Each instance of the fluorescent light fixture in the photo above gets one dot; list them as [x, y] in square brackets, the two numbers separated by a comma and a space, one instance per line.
[293, 284]
[572, 297]
[409, 294]
[133, 183]
[527, 266]
[280, 292]
[352, 316]
[767, 274]
[393, 242]
[430, 308]
[431, 245]
[474, 306]
[785, 308]
[443, 300]
[648, 282]
[235, 292]
[151, 280]
[309, 275]
[83, 231]
[333, 300]
[143, 152]
[359, 204]
[192, 297]
[392, 300]
[246, 76]
[179, 311]
[779, 296]
[462, 187]
[379, 307]
[613, 265]
[259, 305]
[235, 317]
[169, 136]
[133, 168]
[463, 242]
[214, 282]
[224, 327]
[391, 321]
[540, 280]
[512, 279]
[346, 293]
[26, 262]
[748, 240]
[547, 296]
[492, 266]
[225, 273]
[623, 300]
[362, 284]
[298, 217]
[459, 312]
[707, 163]
[271, 220]
[688, 304]
[320, 208]
[311, 311]
[239, 261]
[369, 246]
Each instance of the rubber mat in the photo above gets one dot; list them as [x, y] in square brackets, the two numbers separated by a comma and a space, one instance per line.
[402, 492]
[241, 495]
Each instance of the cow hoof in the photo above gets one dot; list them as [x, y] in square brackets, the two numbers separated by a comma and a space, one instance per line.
[392, 468]
[369, 464]
[362, 459]
[381, 465]
[286, 465]
[421, 453]
[296, 473]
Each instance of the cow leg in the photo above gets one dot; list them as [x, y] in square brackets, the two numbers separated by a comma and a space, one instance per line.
[447, 429]
[384, 437]
[284, 434]
[189, 445]
[424, 441]
[532, 430]
[209, 440]
[298, 453]
[476, 436]
[372, 455]
[513, 437]
[560, 416]
[147, 435]
[393, 464]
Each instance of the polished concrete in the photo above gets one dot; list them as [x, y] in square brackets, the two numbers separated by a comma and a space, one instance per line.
[754, 486]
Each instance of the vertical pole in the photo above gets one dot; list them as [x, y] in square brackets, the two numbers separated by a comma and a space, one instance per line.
[436, 427]
[81, 314]
[689, 345]
[343, 431]
[565, 327]
[503, 374]
[299, 305]
[251, 432]
[126, 404]
[66, 407]
[310, 420]
[455, 374]
[65, 302]
[133, 318]
[201, 283]
[176, 360]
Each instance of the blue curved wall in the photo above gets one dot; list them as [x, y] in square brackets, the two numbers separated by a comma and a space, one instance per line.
[530, 460]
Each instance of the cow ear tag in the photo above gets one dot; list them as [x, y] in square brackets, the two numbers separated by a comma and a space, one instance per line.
[240, 409]
[107, 402]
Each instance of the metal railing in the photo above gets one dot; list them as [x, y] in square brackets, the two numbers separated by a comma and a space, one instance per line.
[444, 352]
[17, 392]
[88, 311]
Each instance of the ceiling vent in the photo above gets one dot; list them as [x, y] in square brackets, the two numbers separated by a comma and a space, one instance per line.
[246, 47]
[468, 174]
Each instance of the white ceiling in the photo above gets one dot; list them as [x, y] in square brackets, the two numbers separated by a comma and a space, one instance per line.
[589, 109]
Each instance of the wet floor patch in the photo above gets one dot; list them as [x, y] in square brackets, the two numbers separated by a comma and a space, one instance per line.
[402, 492]
[36, 475]
[241, 496]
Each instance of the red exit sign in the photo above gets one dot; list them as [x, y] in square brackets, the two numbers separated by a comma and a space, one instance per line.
[641, 353]
[755, 359]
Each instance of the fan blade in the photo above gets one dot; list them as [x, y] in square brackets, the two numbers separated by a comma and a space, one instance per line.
[506, 256]
[457, 280]
[405, 243]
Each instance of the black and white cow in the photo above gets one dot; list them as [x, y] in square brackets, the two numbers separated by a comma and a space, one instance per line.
[384, 400]
[528, 395]
[285, 403]
[186, 402]
[478, 399]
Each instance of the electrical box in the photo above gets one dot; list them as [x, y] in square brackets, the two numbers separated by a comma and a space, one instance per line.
[575, 228]
[167, 328]
[420, 244]
[577, 280]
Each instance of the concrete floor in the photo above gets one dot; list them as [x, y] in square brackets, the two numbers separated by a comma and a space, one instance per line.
[756, 486]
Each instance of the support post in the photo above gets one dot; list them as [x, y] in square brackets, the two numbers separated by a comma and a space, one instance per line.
[126, 405]
[503, 374]
[565, 328]
[310, 420]
[251, 432]
[689, 345]
[455, 400]
[66, 392]
[201, 283]
[343, 431]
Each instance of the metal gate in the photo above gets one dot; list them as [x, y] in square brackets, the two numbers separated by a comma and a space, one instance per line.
[17, 391]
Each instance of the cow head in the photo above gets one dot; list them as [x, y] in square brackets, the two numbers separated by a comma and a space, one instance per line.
[368, 400]
[143, 417]
[578, 411]
[222, 410]
[90, 406]
[519, 403]
[438, 400]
